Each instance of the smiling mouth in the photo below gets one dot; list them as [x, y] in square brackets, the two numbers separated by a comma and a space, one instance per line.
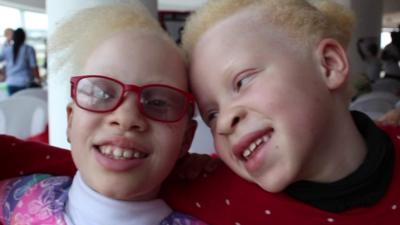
[253, 146]
[118, 153]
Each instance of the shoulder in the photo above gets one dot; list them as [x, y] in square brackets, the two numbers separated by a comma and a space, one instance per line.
[31, 196]
[37, 157]
[6, 49]
[390, 48]
[29, 48]
[18, 188]
[222, 197]
[393, 132]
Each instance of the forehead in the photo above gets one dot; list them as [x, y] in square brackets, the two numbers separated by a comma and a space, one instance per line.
[242, 41]
[243, 29]
[138, 57]
[244, 36]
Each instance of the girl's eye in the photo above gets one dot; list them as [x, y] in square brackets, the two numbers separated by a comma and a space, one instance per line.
[243, 81]
[100, 93]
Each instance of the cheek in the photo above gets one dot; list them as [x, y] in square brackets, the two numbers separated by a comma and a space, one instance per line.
[222, 147]
[83, 124]
[290, 96]
[169, 138]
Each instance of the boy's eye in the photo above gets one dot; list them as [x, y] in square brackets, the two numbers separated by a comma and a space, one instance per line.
[211, 118]
[243, 80]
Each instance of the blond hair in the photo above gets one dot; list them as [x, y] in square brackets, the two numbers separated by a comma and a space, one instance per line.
[309, 21]
[77, 36]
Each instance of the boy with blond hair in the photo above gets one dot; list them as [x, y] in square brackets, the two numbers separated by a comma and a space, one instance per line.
[271, 81]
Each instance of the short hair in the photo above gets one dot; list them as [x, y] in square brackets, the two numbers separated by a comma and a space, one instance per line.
[76, 37]
[309, 21]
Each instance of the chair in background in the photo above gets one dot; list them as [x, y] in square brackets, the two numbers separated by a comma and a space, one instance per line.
[375, 104]
[33, 92]
[23, 116]
[387, 85]
[3, 91]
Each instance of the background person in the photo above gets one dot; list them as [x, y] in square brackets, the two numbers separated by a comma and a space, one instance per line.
[391, 57]
[8, 34]
[21, 66]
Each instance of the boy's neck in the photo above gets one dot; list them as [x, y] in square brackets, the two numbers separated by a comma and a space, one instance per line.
[340, 153]
[362, 188]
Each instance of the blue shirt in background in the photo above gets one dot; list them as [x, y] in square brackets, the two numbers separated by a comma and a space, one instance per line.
[19, 73]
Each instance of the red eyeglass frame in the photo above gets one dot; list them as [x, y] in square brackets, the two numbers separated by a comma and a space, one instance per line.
[190, 100]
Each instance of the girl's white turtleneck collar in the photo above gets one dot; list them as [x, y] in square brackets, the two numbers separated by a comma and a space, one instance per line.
[86, 207]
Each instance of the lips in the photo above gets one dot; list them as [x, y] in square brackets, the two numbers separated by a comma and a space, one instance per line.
[120, 154]
[247, 153]
[246, 148]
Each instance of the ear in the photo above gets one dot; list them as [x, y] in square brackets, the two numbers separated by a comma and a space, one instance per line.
[69, 119]
[332, 59]
[188, 138]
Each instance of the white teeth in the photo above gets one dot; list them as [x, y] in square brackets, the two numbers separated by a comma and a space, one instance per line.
[119, 153]
[107, 150]
[246, 153]
[136, 155]
[253, 146]
[249, 150]
[127, 154]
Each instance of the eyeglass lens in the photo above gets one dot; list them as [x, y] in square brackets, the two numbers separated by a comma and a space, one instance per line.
[155, 101]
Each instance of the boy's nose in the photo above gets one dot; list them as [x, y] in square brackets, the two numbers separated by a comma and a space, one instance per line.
[127, 116]
[229, 119]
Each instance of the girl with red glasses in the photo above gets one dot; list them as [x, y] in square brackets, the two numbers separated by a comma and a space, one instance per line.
[129, 121]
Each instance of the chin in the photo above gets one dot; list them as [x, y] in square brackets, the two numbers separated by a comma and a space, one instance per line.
[272, 188]
[272, 185]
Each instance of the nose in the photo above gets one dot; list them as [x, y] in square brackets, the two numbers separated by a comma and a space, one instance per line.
[229, 119]
[127, 116]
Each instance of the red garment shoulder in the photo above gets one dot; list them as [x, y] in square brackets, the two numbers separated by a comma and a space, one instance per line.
[18, 157]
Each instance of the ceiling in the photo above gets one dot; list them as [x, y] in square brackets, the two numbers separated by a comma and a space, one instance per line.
[391, 8]
[185, 5]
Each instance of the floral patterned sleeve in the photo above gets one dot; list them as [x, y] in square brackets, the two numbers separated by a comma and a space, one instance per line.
[34, 199]
[177, 218]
